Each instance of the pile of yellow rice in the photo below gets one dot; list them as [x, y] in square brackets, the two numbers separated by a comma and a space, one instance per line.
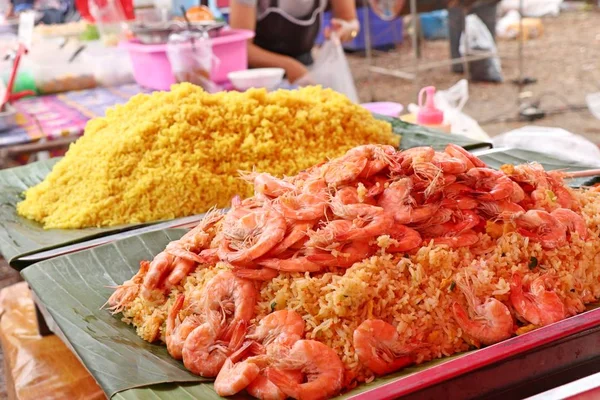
[178, 153]
[415, 292]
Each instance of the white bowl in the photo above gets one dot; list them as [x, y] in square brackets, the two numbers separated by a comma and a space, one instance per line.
[268, 78]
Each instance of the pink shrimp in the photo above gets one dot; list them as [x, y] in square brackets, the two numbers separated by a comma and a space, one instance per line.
[256, 274]
[395, 199]
[368, 225]
[345, 257]
[380, 348]
[262, 388]
[268, 185]
[252, 237]
[127, 292]
[572, 221]
[415, 155]
[470, 160]
[177, 331]
[449, 164]
[296, 231]
[321, 365]
[489, 184]
[302, 207]
[464, 239]
[196, 239]
[538, 306]
[378, 158]
[405, 239]
[294, 264]
[518, 194]
[460, 222]
[502, 208]
[344, 170]
[283, 327]
[492, 321]
[542, 227]
[160, 266]
[329, 233]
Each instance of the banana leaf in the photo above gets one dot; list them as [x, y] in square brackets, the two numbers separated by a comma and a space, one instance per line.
[496, 159]
[20, 236]
[73, 288]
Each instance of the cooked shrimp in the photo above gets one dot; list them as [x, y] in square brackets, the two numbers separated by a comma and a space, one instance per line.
[405, 239]
[268, 185]
[197, 238]
[345, 257]
[415, 155]
[329, 233]
[177, 331]
[281, 327]
[491, 322]
[464, 239]
[460, 222]
[296, 231]
[302, 207]
[294, 264]
[233, 378]
[394, 200]
[489, 184]
[225, 290]
[344, 170]
[252, 237]
[127, 292]
[538, 306]
[262, 388]
[323, 369]
[203, 354]
[502, 208]
[449, 164]
[378, 158]
[542, 227]
[181, 268]
[518, 194]
[458, 152]
[380, 348]
[160, 266]
[256, 274]
[368, 225]
[573, 221]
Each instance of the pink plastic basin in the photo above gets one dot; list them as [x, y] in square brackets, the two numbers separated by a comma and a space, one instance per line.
[151, 67]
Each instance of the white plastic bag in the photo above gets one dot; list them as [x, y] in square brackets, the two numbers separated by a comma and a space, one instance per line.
[331, 70]
[503, 26]
[479, 40]
[554, 141]
[532, 8]
[192, 59]
[593, 103]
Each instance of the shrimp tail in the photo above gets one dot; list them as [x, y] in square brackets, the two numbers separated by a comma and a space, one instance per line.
[238, 333]
[283, 382]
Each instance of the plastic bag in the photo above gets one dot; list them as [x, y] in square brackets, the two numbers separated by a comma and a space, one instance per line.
[593, 103]
[480, 40]
[331, 70]
[532, 8]
[503, 26]
[554, 141]
[192, 59]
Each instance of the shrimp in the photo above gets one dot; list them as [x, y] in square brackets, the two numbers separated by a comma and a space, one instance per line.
[416, 155]
[296, 231]
[294, 264]
[464, 239]
[368, 225]
[329, 233]
[518, 194]
[394, 200]
[379, 348]
[283, 327]
[344, 170]
[502, 208]
[542, 227]
[378, 158]
[252, 237]
[181, 268]
[572, 221]
[225, 290]
[262, 388]
[128, 291]
[159, 267]
[470, 160]
[461, 222]
[203, 353]
[323, 369]
[268, 185]
[349, 254]
[302, 207]
[177, 331]
[538, 306]
[405, 239]
[256, 274]
[197, 238]
[491, 322]
[235, 377]
[489, 184]
[449, 164]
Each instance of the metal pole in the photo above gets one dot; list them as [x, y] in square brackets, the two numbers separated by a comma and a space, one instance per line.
[368, 51]
[415, 43]
[521, 39]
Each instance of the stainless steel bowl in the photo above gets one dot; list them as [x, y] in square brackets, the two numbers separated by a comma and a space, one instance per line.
[158, 32]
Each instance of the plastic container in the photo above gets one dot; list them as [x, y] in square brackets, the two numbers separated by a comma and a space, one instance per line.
[434, 25]
[428, 115]
[383, 33]
[269, 78]
[151, 67]
[110, 66]
[386, 108]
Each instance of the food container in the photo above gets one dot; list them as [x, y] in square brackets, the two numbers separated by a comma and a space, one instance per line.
[62, 77]
[151, 67]
[110, 66]
[158, 33]
[268, 78]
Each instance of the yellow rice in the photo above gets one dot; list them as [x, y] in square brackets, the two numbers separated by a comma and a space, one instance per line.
[178, 153]
[414, 293]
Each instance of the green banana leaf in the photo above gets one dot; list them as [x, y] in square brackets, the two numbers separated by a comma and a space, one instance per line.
[416, 135]
[516, 156]
[74, 287]
[20, 236]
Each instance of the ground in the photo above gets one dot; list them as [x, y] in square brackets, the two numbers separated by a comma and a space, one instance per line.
[564, 61]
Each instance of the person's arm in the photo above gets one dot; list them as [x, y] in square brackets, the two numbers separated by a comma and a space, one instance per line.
[243, 16]
[344, 21]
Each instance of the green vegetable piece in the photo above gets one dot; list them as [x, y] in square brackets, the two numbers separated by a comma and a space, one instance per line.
[533, 262]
